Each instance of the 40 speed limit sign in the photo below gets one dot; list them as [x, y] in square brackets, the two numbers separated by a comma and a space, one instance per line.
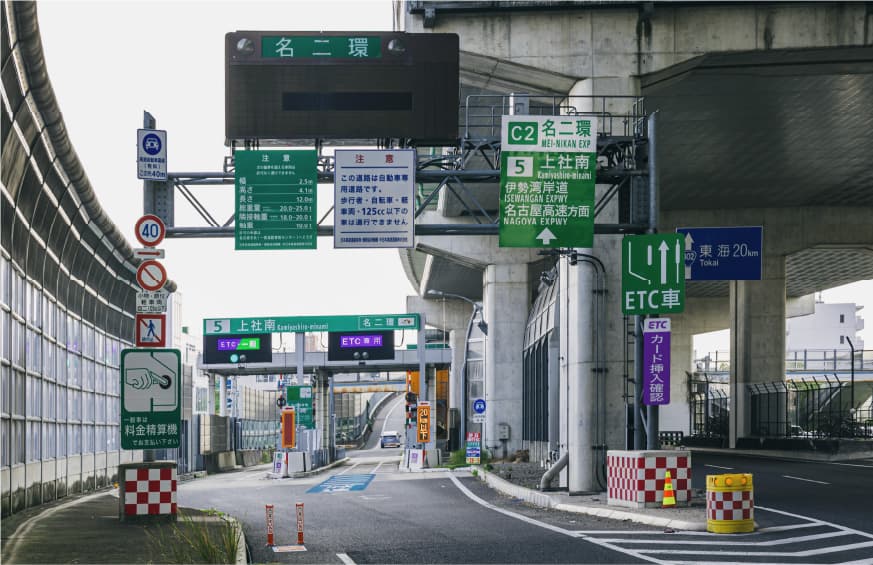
[150, 230]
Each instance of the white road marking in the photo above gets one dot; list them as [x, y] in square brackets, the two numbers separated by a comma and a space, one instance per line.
[345, 559]
[789, 527]
[807, 553]
[388, 415]
[556, 529]
[720, 467]
[784, 541]
[853, 465]
[805, 480]
[817, 522]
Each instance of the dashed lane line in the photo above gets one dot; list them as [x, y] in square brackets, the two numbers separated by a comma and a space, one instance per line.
[805, 480]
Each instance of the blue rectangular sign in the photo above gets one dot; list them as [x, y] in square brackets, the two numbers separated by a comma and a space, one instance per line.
[723, 254]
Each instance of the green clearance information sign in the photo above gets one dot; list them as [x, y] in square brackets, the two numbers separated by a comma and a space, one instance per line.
[275, 199]
[653, 274]
[300, 399]
[547, 176]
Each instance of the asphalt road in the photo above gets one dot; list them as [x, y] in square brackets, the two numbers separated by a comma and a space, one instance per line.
[368, 511]
[839, 493]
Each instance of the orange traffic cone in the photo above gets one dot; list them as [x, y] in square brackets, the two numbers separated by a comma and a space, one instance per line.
[669, 498]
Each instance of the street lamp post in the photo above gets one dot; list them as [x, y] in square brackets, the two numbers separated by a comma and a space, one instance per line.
[477, 307]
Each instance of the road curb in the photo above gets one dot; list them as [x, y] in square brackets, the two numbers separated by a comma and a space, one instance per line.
[545, 501]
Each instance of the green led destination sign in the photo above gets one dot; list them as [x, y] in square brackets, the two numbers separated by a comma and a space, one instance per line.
[288, 324]
[321, 47]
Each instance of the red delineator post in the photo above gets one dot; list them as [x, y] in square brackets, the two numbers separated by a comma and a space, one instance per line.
[299, 523]
[269, 524]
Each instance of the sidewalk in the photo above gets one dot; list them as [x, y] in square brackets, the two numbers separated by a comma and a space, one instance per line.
[691, 518]
[86, 529]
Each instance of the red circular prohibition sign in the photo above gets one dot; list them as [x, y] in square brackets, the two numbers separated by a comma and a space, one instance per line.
[151, 275]
[150, 230]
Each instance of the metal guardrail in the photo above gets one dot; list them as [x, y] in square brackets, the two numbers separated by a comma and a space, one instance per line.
[813, 360]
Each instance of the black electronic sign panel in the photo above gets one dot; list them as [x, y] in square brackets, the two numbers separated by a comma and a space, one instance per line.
[243, 348]
[360, 346]
[341, 85]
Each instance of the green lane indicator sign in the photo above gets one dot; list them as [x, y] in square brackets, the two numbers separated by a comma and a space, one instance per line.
[547, 176]
[151, 398]
[321, 47]
[300, 399]
[653, 274]
[288, 324]
[275, 199]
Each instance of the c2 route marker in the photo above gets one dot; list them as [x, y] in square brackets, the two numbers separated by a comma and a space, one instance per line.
[151, 275]
[653, 274]
[150, 230]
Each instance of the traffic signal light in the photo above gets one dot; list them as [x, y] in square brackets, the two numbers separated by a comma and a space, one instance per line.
[411, 397]
[288, 429]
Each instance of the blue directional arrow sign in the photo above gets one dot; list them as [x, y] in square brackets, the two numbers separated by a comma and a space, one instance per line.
[723, 254]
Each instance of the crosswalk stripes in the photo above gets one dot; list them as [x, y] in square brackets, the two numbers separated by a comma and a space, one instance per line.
[801, 540]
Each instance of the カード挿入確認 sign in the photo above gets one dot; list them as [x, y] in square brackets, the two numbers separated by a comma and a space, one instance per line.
[547, 175]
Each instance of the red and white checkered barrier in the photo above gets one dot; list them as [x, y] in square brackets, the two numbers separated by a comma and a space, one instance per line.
[149, 491]
[730, 505]
[635, 479]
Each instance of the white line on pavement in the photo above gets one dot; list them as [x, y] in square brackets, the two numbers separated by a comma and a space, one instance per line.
[556, 529]
[719, 467]
[817, 522]
[345, 558]
[806, 480]
[807, 553]
[747, 542]
[388, 415]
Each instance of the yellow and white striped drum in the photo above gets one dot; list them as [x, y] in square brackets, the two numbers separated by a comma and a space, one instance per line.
[730, 505]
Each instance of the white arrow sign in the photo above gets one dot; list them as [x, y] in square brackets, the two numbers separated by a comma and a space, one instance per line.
[546, 236]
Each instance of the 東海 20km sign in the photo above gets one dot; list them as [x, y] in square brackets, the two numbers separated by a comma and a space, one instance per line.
[547, 174]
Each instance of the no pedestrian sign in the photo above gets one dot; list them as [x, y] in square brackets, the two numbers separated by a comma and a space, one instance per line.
[547, 174]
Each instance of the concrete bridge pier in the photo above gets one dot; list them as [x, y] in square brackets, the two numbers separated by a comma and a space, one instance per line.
[757, 310]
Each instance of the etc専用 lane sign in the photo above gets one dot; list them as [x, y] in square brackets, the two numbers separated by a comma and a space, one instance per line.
[653, 274]
[723, 254]
[150, 230]
[151, 275]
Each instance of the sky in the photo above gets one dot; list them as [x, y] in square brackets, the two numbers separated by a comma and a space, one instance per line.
[110, 61]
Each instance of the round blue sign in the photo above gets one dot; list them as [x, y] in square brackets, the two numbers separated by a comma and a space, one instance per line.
[479, 406]
[151, 144]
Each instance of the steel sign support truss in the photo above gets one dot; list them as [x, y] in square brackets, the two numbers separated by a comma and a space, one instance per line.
[616, 168]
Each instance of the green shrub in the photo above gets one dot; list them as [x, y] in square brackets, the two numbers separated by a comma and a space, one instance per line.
[196, 541]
